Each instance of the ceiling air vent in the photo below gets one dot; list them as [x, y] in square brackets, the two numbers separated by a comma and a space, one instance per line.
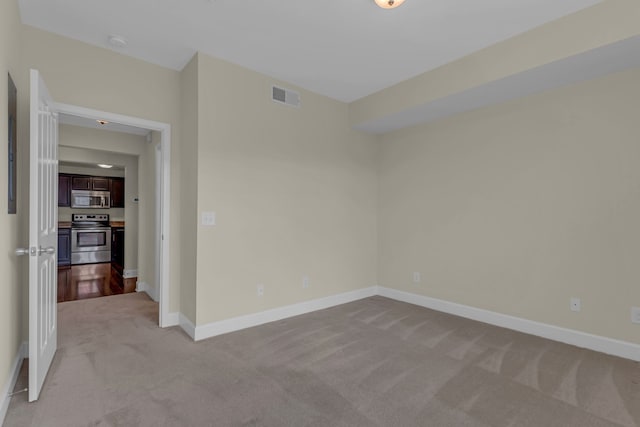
[285, 96]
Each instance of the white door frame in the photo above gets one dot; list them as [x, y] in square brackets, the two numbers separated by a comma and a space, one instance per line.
[162, 240]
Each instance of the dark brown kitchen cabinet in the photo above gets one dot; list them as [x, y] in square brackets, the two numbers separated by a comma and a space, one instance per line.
[64, 190]
[99, 183]
[117, 256]
[117, 192]
[94, 183]
[64, 246]
[81, 183]
[64, 283]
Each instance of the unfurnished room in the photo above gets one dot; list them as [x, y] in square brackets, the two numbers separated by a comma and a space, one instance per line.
[320, 213]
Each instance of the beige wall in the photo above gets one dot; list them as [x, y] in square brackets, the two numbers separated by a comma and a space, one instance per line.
[148, 214]
[72, 139]
[294, 191]
[189, 109]
[11, 267]
[518, 207]
[79, 74]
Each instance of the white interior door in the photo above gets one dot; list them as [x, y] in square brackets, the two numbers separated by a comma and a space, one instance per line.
[43, 234]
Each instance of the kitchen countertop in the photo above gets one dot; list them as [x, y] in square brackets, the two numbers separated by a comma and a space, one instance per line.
[116, 223]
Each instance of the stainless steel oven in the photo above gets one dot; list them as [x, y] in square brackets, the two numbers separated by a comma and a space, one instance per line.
[90, 239]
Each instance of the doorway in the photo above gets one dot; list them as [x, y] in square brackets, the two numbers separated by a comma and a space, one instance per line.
[161, 131]
[97, 197]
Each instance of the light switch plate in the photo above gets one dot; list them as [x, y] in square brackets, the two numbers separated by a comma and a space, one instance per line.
[635, 314]
[208, 218]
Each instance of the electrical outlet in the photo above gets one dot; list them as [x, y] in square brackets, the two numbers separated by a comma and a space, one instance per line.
[208, 218]
[635, 314]
[305, 282]
[416, 277]
[260, 289]
[575, 304]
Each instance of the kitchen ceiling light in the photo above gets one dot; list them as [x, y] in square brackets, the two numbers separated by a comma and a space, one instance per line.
[105, 166]
[102, 122]
[388, 4]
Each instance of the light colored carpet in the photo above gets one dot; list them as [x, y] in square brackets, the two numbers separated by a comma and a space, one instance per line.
[374, 362]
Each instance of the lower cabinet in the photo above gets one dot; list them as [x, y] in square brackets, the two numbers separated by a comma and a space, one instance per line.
[64, 246]
[64, 283]
[116, 278]
[117, 248]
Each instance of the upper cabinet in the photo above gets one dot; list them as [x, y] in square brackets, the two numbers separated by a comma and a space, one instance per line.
[64, 190]
[100, 183]
[96, 183]
[68, 182]
[80, 182]
[117, 192]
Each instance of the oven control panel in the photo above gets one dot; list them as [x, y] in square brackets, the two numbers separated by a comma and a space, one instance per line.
[89, 217]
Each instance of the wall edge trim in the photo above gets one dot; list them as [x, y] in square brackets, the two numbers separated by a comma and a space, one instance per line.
[614, 347]
[171, 319]
[233, 324]
[23, 351]
[148, 289]
[129, 273]
[188, 326]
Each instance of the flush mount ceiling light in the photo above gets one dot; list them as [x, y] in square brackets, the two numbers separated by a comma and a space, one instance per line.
[105, 166]
[117, 41]
[102, 122]
[388, 4]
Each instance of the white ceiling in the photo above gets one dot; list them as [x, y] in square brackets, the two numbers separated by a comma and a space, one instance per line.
[344, 49]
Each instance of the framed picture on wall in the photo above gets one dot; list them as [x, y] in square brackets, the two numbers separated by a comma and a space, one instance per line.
[11, 158]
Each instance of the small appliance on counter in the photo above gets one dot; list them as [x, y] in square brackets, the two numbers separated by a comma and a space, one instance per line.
[90, 239]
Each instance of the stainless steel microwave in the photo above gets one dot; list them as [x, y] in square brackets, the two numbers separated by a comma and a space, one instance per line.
[90, 199]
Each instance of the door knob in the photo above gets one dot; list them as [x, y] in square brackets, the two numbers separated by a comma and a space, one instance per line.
[50, 250]
[22, 251]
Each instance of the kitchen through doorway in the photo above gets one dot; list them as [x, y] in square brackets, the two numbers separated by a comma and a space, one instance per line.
[116, 215]
[97, 219]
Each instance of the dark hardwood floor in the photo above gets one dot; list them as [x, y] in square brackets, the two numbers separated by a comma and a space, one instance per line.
[91, 281]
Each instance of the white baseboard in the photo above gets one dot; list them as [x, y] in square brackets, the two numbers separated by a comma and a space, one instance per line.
[11, 381]
[597, 343]
[129, 273]
[241, 322]
[171, 319]
[601, 344]
[188, 326]
[150, 290]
